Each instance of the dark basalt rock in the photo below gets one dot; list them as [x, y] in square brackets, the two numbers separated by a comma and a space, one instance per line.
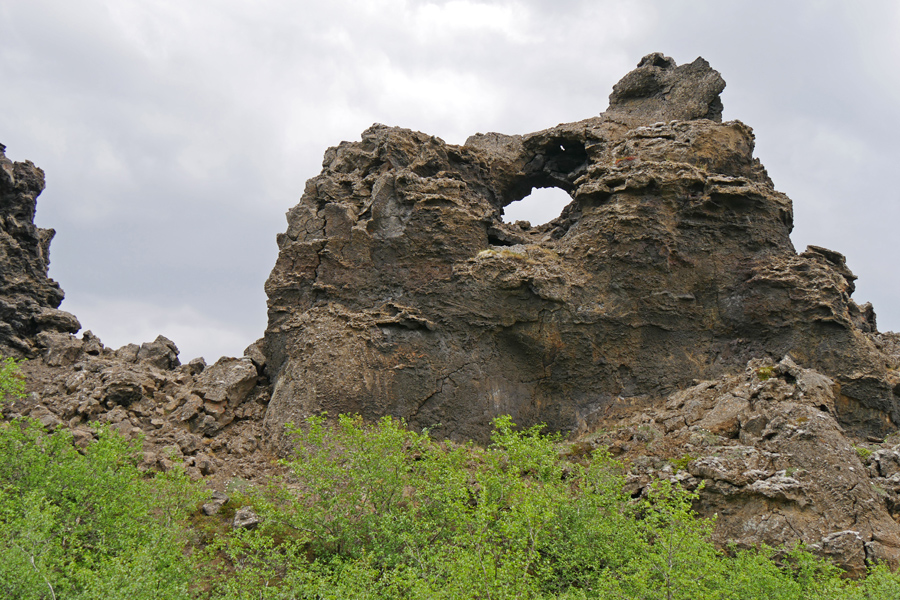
[400, 291]
[29, 299]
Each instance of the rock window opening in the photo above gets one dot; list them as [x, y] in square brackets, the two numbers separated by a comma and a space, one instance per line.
[541, 206]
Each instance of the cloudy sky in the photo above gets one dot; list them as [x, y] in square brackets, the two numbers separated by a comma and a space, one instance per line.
[176, 133]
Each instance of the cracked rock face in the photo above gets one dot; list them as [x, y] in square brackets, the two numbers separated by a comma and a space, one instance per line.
[399, 290]
[29, 299]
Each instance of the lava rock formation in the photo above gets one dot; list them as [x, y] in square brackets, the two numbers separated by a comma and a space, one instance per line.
[29, 299]
[399, 290]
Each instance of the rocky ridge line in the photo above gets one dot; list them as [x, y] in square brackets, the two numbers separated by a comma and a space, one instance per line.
[29, 299]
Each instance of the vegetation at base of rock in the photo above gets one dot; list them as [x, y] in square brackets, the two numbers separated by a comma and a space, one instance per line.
[87, 525]
[375, 511]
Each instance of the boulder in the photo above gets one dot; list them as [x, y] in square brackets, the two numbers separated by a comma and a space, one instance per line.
[245, 518]
[783, 472]
[161, 353]
[229, 380]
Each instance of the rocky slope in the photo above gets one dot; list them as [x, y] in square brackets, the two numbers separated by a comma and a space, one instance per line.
[664, 315]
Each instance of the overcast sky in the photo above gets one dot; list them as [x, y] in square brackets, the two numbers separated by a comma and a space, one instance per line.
[175, 134]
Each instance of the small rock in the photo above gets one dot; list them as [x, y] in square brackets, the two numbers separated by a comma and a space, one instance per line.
[61, 349]
[245, 518]
[190, 409]
[128, 353]
[216, 502]
[122, 387]
[229, 380]
[188, 443]
[205, 463]
[242, 445]
[91, 344]
[256, 353]
[161, 353]
[207, 425]
[59, 320]
[196, 366]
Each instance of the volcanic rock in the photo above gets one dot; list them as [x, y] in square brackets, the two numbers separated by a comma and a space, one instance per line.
[771, 461]
[664, 317]
[399, 290]
[29, 299]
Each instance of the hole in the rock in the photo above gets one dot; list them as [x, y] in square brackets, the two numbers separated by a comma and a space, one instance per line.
[541, 206]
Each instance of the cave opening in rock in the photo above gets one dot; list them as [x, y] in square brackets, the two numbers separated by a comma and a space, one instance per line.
[541, 206]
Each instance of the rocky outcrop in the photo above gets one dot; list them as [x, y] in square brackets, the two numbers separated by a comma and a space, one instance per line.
[208, 418]
[29, 299]
[400, 290]
[664, 317]
[771, 461]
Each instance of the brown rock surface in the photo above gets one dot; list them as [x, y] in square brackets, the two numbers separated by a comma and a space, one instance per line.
[399, 289]
[775, 465]
[211, 421]
[29, 299]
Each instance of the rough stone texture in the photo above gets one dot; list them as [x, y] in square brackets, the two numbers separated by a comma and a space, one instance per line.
[245, 518]
[776, 466]
[209, 420]
[399, 290]
[29, 299]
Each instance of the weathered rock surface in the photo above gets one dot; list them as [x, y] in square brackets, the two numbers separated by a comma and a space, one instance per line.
[399, 289]
[29, 299]
[775, 465]
[210, 420]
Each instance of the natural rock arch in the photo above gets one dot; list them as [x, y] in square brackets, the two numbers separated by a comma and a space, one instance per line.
[399, 289]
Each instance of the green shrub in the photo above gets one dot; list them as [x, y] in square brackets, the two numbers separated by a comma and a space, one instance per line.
[12, 384]
[86, 525]
[376, 511]
[383, 512]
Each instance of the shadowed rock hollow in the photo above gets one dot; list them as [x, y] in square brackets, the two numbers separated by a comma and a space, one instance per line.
[399, 290]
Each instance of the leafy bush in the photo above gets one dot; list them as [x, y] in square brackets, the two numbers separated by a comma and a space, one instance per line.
[379, 511]
[376, 511]
[86, 525]
[12, 384]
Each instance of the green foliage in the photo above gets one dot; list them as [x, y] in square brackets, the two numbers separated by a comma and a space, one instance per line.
[376, 511]
[764, 373]
[863, 452]
[384, 512]
[86, 525]
[681, 464]
[12, 384]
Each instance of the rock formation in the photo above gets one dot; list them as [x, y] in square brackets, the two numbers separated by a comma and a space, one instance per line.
[771, 461]
[29, 299]
[208, 417]
[400, 290]
[664, 316]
